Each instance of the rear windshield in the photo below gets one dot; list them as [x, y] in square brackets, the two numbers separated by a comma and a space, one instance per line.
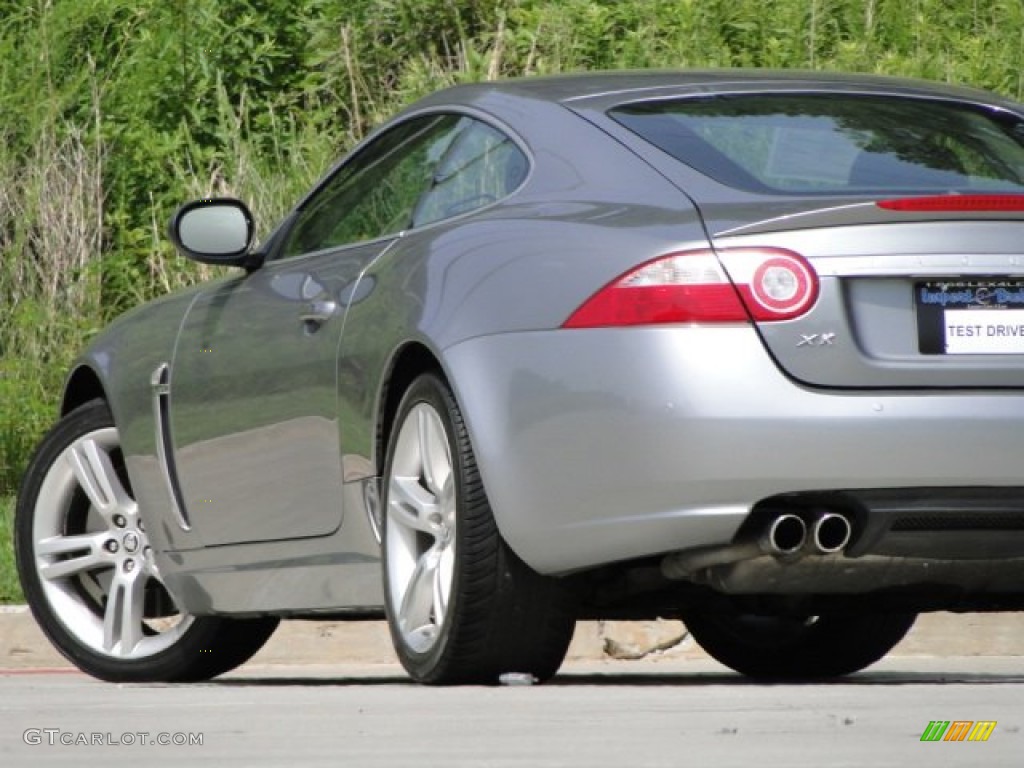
[836, 144]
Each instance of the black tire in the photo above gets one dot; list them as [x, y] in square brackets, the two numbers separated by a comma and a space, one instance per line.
[793, 648]
[499, 615]
[149, 639]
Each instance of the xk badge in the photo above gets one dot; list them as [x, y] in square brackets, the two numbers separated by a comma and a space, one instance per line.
[816, 339]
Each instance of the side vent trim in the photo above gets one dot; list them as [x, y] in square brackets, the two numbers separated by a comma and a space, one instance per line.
[160, 382]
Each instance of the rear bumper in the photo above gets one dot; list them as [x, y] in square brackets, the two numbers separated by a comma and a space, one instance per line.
[605, 445]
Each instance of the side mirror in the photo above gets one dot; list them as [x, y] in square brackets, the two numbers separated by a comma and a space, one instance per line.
[214, 231]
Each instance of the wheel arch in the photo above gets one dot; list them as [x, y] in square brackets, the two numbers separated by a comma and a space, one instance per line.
[411, 360]
[82, 385]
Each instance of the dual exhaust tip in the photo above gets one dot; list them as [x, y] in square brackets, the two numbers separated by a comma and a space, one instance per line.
[788, 534]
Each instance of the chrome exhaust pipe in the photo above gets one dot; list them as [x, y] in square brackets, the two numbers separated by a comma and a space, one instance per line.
[786, 535]
[830, 533]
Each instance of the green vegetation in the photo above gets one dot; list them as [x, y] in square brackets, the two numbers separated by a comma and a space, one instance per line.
[10, 589]
[118, 110]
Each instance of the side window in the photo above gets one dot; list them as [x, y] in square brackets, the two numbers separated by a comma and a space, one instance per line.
[482, 165]
[375, 193]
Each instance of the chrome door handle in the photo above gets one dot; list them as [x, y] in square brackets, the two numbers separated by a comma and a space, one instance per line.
[319, 312]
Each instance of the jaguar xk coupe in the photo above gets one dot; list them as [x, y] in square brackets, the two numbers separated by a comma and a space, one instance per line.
[744, 348]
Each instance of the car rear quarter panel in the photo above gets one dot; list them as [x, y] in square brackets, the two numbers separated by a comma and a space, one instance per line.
[588, 211]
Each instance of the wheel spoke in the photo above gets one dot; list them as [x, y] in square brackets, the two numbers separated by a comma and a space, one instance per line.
[91, 555]
[412, 505]
[418, 601]
[97, 478]
[446, 501]
[122, 617]
[440, 590]
[433, 451]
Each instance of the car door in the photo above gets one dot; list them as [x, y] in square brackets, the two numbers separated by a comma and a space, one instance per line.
[253, 386]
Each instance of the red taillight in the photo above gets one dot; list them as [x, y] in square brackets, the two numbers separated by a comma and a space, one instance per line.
[955, 203]
[775, 284]
[693, 287]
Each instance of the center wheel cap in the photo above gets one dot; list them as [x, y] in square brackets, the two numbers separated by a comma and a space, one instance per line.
[131, 542]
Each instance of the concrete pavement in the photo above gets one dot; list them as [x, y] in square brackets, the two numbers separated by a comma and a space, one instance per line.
[624, 714]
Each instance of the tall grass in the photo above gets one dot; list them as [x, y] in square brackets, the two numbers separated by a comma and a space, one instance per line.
[118, 110]
[49, 278]
[10, 589]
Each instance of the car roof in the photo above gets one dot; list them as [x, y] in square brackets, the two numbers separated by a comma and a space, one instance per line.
[603, 89]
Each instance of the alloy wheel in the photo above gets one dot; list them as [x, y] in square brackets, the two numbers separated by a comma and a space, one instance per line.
[421, 522]
[93, 558]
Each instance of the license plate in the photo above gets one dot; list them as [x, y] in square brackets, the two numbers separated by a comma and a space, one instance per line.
[970, 317]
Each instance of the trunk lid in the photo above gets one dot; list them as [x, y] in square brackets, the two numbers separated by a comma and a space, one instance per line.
[908, 292]
[908, 299]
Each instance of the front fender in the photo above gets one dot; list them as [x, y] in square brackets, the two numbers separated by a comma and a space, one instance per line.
[118, 365]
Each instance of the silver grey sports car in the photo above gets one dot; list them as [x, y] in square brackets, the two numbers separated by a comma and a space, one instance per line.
[745, 348]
